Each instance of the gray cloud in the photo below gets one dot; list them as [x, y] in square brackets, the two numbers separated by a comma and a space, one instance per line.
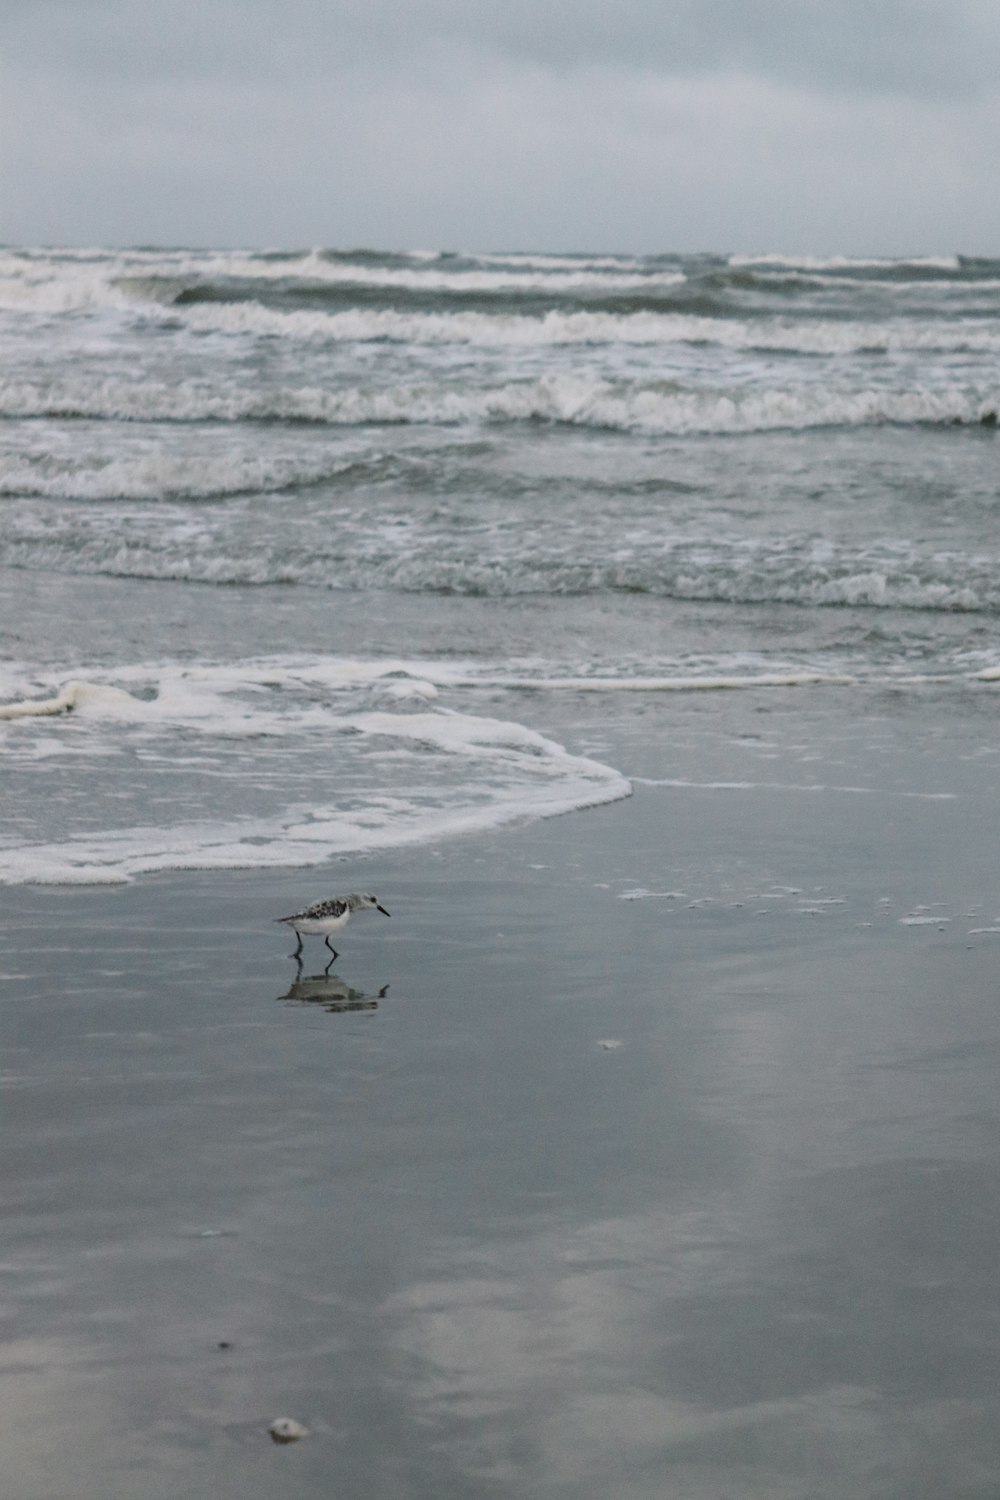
[915, 47]
[852, 124]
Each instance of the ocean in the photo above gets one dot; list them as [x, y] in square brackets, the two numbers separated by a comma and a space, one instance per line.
[629, 624]
[656, 473]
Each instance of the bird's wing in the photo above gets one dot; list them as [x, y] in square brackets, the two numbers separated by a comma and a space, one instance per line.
[334, 908]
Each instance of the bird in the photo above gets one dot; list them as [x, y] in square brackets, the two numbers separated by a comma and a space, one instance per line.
[324, 917]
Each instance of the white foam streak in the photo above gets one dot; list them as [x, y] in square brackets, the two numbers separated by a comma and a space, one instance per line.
[850, 262]
[812, 787]
[154, 476]
[683, 684]
[577, 399]
[560, 262]
[366, 325]
[540, 275]
[75, 695]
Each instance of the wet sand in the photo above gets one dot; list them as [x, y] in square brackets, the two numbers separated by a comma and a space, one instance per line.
[645, 1151]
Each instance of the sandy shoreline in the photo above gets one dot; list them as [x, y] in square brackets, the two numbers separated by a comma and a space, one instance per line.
[619, 1183]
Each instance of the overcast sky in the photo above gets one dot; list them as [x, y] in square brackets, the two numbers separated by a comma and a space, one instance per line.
[803, 126]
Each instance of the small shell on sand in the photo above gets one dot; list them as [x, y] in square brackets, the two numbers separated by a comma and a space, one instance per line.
[287, 1430]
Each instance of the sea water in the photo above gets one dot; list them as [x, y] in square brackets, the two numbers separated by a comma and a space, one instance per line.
[241, 487]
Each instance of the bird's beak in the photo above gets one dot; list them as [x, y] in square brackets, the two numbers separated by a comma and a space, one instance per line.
[382, 910]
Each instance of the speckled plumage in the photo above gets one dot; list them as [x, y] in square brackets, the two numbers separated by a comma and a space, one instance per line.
[324, 917]
[319, 909]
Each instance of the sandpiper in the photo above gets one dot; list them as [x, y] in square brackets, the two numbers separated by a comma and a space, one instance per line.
[324, 917]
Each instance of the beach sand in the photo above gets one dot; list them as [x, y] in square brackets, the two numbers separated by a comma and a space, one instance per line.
[649, 1150]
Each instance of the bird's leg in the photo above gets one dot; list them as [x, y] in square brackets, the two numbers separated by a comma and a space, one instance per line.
[299, 948]
[331, 947]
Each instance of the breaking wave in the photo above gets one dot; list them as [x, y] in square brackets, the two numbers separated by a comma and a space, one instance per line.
[485, 330]
[578, 400]
[162, 476]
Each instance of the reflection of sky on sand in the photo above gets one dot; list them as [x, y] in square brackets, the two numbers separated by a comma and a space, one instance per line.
[668, 1350]
[479, 1252]
[639, 1357]
[41, 1376]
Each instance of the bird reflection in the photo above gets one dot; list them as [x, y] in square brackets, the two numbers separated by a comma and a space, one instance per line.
[334, 994]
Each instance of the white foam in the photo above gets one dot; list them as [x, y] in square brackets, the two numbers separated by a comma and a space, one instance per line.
[850, 262]
[40, 287]
[85, 696]
[536, 274]
[498, 739]
[814, 788]
[57, 283]
[560, 262]
[472, 674]
[580, 400]
[693, 683]
[404, 691]
[447, 772]
[120, 855]
[364, 325]
[159, 475]
[334, 769]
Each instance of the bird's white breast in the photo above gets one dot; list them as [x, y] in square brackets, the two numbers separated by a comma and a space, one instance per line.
[320, 926]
